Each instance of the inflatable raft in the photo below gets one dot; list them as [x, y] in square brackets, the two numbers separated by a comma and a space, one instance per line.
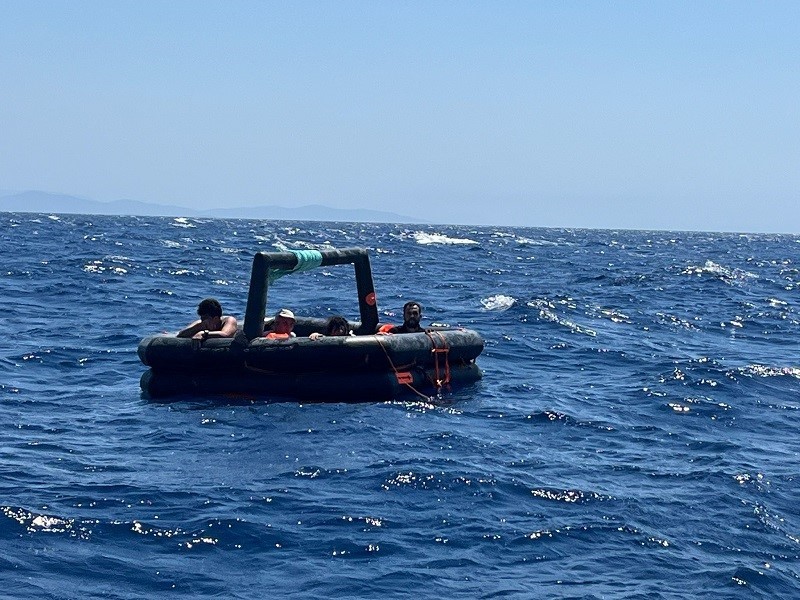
[362, 367]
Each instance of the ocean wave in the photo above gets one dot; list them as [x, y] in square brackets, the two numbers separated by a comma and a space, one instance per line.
[552, 416]
[604, 531]
[433, 481]
[611, 314]
[97, 266]
[34, 522]
[568, 496]
[522, 240]
[498, 302]
[526, 241]
[183, 222]
[547, 313]
[286, 246]
[674, 320]
[756, 370]
[425, 239]
[728, 275]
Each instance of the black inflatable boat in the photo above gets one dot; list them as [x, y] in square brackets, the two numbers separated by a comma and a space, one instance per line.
[362, 367]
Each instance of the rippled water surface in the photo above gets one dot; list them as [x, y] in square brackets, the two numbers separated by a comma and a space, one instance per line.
[634, 436]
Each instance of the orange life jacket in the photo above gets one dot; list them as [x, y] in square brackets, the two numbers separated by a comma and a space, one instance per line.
[277, 336]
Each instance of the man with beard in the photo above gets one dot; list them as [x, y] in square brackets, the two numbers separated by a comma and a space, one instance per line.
[412, 314]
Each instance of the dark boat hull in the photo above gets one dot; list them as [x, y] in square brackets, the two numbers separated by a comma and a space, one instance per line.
[309, 387]
[332, 369]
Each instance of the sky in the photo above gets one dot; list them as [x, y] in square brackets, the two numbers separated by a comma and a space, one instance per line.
[637, 115]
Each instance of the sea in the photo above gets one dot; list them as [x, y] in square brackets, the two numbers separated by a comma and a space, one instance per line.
[635, 433]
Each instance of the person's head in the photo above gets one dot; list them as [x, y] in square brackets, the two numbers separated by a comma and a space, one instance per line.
[209, 310]
[337, 326]
[284, 321]
[412, 314]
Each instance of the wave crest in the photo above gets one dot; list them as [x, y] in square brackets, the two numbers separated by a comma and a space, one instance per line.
[498, 302]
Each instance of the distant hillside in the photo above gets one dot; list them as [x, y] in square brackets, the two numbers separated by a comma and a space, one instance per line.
[44, 202]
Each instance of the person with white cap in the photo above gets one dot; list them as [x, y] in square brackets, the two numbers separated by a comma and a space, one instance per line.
[282, 326]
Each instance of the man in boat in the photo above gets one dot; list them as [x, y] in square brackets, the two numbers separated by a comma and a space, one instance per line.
[212, 323]
[412, 314]
[282, 326]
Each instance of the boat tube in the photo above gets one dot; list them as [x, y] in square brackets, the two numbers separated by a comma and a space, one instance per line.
[360, 367]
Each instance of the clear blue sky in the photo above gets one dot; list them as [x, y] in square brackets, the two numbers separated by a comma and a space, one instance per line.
[657, 115]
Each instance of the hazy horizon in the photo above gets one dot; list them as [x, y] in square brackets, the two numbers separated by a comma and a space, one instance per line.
[663, 116]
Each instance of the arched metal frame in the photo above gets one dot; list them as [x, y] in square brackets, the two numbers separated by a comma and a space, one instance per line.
[259, 283]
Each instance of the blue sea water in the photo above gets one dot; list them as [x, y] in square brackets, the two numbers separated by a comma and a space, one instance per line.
[634, 436]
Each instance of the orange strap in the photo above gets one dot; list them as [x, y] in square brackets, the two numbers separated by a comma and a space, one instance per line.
[385, 328]
[404, 377]
[445, 350]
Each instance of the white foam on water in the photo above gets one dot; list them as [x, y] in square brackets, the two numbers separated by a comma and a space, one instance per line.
[728, 275]
[439, 238]
[182, 222]
[284, 246]
[498, 302]
[547, 313]
[757, 370]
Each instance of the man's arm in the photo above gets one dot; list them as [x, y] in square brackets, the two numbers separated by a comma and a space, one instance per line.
[191, 329]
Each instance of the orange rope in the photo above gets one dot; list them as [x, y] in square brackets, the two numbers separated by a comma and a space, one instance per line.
[400, 377]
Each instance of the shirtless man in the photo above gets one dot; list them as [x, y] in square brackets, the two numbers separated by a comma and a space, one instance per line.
[211, 324]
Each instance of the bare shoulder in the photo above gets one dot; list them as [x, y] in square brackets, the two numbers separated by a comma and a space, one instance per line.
[229, 325]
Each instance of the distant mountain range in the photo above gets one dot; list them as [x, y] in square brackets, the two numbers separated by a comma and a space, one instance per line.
[45, 202]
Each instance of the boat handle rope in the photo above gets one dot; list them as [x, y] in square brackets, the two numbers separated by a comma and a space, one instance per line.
[403, 378]
[436, 351]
